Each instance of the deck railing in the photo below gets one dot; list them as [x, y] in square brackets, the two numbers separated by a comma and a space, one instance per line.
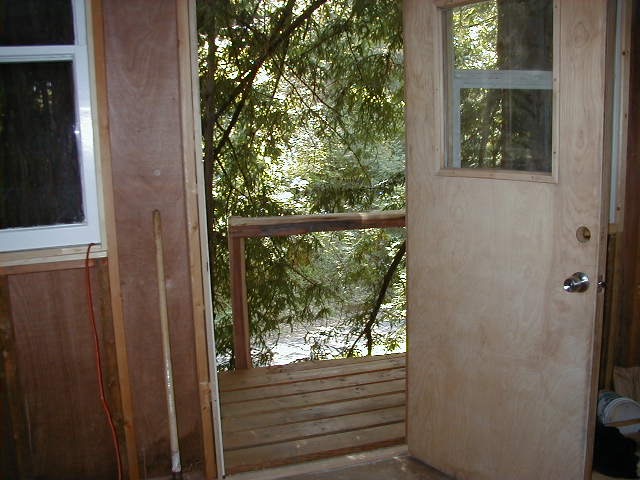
[241, 228]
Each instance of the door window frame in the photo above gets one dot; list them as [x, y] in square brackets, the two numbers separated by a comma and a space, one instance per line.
[455, 80]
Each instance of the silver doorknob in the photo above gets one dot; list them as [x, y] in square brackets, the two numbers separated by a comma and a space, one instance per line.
[578, 282]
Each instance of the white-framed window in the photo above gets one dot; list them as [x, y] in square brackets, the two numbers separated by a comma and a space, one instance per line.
[48, 185]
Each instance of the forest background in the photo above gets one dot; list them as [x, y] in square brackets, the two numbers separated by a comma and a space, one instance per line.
[302, 112]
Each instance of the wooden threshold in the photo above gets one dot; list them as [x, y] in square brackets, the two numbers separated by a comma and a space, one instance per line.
[295, 413]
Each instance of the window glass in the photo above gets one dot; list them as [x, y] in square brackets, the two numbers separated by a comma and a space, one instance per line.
[36, 22]
[48, 184]
[39, 165]
[498, 65]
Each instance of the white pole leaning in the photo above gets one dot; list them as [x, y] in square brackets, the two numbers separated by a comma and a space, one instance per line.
[176, 468]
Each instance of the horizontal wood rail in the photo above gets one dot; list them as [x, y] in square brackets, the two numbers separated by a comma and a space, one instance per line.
[244, 227]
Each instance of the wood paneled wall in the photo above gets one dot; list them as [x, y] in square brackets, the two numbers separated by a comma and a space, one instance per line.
[57, 418]
[55, 425]
[143, 89]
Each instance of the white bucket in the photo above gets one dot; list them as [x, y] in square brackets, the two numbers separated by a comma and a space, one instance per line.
[615, 409]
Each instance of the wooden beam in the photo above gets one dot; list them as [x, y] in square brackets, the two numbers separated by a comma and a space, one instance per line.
[616, 275]
[629, 329]
[45, 267]
[191, 137]
[300, 224]
[97, 23]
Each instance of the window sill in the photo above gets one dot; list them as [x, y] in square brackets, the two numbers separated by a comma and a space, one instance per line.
[30, 261]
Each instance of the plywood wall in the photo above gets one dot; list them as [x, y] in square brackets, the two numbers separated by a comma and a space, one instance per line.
[51, 385]
[58, 418]
[141, 54]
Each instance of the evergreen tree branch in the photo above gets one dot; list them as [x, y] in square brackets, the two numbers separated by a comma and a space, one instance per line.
[277, 37]
[386, 281]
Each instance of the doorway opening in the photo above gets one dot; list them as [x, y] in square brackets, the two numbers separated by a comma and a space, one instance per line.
[303, 136]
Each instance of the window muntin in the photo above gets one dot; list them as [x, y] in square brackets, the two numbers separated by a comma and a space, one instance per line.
[499, 84]
[67, 195]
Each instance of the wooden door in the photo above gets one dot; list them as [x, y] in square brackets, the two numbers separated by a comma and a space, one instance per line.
[501, 359]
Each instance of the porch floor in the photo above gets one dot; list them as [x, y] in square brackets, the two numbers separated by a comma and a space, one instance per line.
[305, 411]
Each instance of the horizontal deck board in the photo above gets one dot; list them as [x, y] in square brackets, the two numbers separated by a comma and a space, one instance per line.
[246, 379]
[317, 412]
[301, 430]
[311, 364]
[280, 415]
[312, 399]
[314, 448]
[309, 386]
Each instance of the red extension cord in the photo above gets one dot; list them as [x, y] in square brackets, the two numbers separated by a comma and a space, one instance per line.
[105, 405]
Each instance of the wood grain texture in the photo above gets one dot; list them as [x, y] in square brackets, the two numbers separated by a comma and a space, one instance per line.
[275, 376]
[314, 384]
[189, 115]
[239, 304]
[299, 412]
[44, 267]
[500, 357]
[141, 51]
[299, 224]
[67, 432]
[313, 448]
[387, 397]
[14, 457]
[130, 456]
[629, 351]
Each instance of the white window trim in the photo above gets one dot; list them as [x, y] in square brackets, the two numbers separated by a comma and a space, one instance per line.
[490, 79]
[89, 231]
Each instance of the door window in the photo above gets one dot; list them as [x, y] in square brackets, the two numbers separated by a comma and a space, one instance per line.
[499, 85]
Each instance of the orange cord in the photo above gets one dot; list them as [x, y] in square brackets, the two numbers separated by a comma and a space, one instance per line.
[96, 342]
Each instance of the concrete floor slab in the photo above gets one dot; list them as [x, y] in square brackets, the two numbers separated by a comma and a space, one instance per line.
[401, 467]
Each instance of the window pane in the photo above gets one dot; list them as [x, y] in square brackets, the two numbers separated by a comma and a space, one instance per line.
[499, 59]
[36, 22]
[39, 165]
[506, 129]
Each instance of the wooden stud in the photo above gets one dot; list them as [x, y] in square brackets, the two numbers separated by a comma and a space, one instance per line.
[615, 271]
[607, 134]
[241, 331]
[109, 354]
[190, 138]
[629, 353]
[112, 240]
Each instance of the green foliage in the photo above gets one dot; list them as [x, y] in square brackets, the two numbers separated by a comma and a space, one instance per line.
[302, 108]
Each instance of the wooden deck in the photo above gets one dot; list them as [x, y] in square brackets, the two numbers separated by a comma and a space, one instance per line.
[305, 411]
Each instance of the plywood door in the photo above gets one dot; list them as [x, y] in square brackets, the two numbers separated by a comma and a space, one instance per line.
[501, 359]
